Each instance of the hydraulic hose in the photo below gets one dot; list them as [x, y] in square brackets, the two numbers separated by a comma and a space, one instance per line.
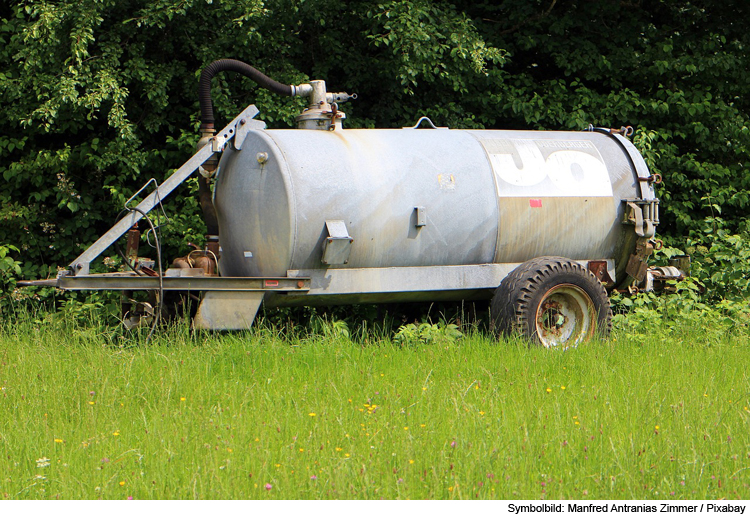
[204, 87]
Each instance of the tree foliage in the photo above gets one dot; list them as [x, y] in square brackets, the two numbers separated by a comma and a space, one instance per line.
[99, 96]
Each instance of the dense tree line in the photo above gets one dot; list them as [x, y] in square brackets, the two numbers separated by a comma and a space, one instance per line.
[99, 96]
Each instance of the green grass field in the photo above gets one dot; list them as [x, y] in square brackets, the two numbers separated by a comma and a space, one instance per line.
[88, 413]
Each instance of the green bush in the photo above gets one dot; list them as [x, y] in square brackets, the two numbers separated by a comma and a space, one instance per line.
[714, 297]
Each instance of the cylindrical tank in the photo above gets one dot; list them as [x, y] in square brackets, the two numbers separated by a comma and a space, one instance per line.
[484, 196]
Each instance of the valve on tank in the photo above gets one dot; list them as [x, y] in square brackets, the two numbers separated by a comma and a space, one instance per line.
[322, 112]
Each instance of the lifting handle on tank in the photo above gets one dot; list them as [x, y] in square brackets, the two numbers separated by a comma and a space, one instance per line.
[428, 122]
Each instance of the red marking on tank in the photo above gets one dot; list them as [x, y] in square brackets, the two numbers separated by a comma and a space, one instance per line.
[272, 284]
[535, 202]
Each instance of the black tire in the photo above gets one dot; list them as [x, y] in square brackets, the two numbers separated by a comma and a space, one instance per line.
[553, 301]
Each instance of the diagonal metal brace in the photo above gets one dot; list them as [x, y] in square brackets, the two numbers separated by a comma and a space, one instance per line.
[80, 266]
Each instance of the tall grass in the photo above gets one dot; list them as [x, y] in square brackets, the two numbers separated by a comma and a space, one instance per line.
[89, 412]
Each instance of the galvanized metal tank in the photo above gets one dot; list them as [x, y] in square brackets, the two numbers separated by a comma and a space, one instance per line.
[425, 197]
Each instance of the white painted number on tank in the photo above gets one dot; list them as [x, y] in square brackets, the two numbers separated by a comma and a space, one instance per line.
[532, 170]
[572, 172]
[573, 168]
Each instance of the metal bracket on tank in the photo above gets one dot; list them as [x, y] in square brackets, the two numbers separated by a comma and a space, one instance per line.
[338, 245]
[245, 125]
[644, 215]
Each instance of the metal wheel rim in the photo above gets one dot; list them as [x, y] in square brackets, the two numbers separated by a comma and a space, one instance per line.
[565, 317]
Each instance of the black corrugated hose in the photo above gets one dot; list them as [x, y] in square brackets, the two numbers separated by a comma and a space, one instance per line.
[204, 87]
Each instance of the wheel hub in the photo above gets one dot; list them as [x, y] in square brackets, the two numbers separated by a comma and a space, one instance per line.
[565, 317]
